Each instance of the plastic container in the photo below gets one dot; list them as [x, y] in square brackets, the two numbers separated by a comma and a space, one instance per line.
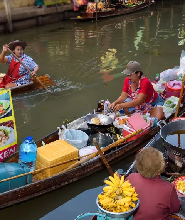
[76, 138]
[136, 122]
[28, 153]
[173, 88]
[8, 170]
[157, 77]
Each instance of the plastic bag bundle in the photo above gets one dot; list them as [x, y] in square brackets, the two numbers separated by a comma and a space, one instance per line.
[169, 74]
[170, 105]
[76, 138]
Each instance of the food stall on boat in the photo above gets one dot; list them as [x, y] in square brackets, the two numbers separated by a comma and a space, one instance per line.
[63, 157]
[105, 9]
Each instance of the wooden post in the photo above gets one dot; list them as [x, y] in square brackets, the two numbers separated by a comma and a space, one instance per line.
[8, 14]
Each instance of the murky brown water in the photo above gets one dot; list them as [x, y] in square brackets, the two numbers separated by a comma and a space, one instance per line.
[85, 60]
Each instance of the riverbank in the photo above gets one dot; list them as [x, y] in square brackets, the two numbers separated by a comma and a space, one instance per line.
[27, 17]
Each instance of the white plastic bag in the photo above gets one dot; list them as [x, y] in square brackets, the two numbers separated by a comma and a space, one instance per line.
[87, 150]
[168, 75]
[160, 86]
[76, 138]
[170, 105]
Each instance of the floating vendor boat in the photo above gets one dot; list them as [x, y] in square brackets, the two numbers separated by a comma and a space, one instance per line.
[63, 158]
[82, 170]
[104, 10]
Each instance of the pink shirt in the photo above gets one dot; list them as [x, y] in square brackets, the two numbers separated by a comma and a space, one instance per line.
[158, 198]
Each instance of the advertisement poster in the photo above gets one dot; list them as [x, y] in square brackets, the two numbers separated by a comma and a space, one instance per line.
[8, 133]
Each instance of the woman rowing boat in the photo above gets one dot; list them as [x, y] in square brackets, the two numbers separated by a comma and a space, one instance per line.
[138, 93]
[17, 74]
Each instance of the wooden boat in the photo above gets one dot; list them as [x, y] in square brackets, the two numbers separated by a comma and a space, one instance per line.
[33, 85]
[85, 16]
[37, 188]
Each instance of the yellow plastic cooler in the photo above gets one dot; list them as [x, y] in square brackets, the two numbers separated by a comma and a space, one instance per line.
[53, 153]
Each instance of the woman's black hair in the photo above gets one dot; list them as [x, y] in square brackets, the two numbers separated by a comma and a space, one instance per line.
[141, 73]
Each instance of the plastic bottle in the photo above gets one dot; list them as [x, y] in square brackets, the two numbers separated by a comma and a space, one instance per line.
[157, 77]
[28, 153]
[106, 105]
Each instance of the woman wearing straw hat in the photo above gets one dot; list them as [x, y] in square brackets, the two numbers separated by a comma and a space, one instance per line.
[17, 74]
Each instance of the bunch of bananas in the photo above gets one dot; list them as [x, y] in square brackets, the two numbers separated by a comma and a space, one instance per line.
[118, 196]
[181, 186]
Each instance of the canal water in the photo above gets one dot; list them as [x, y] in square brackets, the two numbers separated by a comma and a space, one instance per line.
[86, 60]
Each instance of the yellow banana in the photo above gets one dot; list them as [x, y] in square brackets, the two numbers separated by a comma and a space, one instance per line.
[134, 198]
[127, 193]
[126, 184]
[116, 177]
[133, 204]
[126, 199]
[113, 180]
[107, 188]
[122, 180]
[109, 183]
[130, 189]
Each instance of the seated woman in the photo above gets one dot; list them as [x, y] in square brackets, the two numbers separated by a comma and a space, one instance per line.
[158, 198]
[17, 75]
[142, 96]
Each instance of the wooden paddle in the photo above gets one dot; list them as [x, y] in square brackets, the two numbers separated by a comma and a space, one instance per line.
[178, 106]
[102, 156]
[180, 98]
[115, 144]
[87, 157]
[28, 70]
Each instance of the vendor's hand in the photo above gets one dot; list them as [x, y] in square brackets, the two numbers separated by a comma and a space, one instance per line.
[111, 106]
[34, 74]
[118, 107]
[5, 48]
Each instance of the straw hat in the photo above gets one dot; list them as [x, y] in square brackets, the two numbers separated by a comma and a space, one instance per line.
[13, 44]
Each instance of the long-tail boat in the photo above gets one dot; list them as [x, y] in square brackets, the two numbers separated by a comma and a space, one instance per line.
[39, 187]
[85, 16]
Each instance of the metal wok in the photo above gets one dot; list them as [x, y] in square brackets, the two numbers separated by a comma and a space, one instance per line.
[176, 155]
[106, 121]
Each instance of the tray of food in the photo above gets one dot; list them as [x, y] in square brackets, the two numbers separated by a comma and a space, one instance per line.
[120, 122]
[179, 184]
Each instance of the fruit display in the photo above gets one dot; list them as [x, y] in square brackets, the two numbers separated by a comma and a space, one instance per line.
[181, 186]
[119, 196]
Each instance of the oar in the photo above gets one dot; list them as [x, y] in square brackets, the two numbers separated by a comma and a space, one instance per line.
[180, 98]
[102, 156]
[115, 144]
[178, 106]
[28, 70]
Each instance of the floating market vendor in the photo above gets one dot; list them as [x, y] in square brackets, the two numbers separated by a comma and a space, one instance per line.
[158, 198]
[138, 94]
[17, 74]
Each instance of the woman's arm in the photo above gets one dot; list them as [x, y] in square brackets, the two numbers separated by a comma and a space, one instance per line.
[3, 59]
[140, 99]
[121, 99]
[36, 69]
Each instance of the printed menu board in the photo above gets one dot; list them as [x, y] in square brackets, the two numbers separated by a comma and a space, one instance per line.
[8, 133]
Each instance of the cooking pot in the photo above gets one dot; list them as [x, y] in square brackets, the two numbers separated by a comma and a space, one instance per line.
[102, 139]
[107, 121]
[176, 155]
